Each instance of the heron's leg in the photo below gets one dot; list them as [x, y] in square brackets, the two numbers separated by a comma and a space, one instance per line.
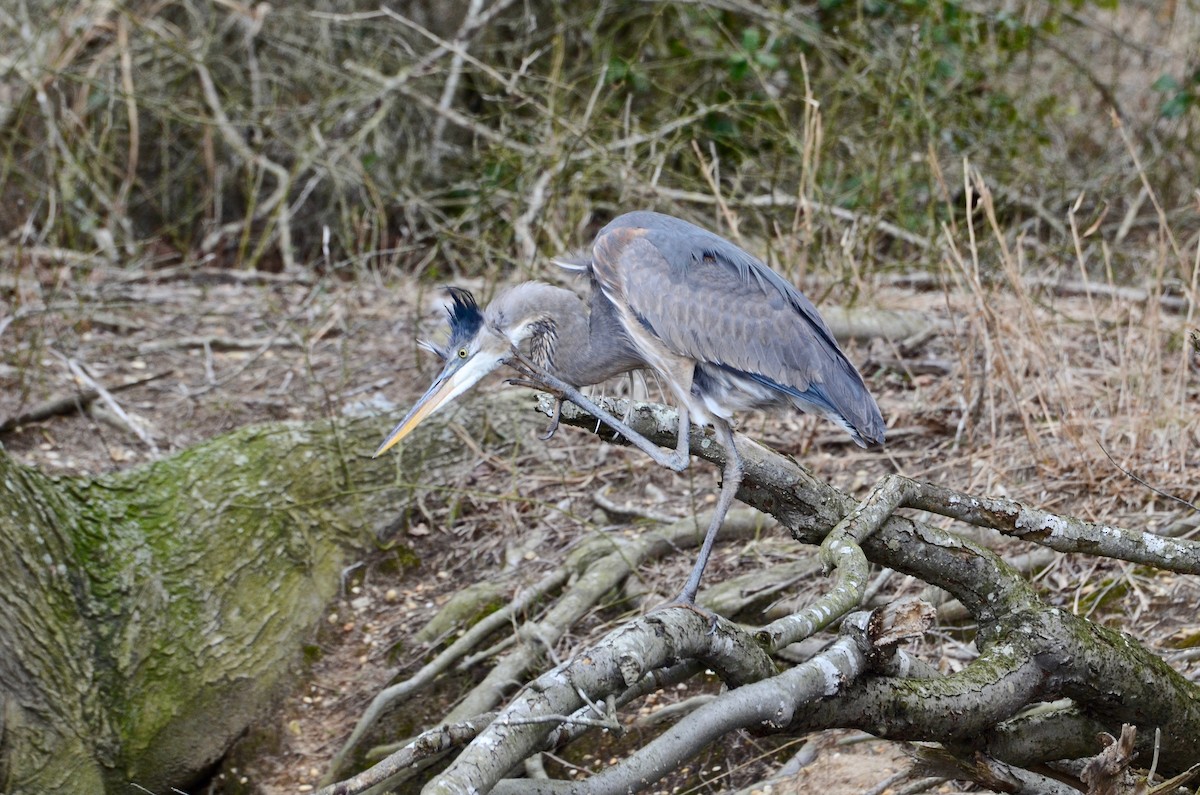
[632, 390]
[731, 479]
[677, 460]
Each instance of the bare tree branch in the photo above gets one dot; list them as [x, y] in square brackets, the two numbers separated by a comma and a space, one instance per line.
[1030, 652]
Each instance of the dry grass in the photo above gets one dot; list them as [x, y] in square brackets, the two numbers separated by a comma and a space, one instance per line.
[1062, 384]
[466, 138]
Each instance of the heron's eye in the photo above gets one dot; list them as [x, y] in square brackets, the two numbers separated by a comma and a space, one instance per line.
[462, 353]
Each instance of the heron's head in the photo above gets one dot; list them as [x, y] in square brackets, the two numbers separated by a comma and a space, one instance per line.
[472, 351]
[479, 342]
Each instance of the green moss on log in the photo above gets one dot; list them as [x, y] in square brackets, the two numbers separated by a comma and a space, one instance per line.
[148, 617]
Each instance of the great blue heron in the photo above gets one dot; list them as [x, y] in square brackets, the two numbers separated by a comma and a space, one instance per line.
[723, 331]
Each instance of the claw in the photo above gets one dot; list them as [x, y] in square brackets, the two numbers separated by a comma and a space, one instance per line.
[554, 418]
[530, 379]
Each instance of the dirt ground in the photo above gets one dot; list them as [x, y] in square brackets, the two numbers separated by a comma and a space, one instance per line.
[1017, 394]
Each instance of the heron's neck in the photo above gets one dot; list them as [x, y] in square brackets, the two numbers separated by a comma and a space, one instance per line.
[587, 348]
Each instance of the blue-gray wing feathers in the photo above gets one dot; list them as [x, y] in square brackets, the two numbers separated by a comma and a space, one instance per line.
[706, 299]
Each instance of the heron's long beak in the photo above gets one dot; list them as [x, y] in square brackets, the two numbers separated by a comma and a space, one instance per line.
[456, 377]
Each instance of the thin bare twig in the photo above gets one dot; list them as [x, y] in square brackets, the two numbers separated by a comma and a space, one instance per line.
[105, 395]
[68, 404]
[778, 199]
[1142, 482]
[283, 179]
[216, 343]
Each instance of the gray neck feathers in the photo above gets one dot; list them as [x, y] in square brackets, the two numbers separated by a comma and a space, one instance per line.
[579, 347]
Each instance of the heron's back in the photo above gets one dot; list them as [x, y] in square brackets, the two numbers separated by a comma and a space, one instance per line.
[756, 341]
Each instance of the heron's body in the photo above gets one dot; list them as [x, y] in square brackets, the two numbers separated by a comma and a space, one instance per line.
[726, 332]
[723, 331]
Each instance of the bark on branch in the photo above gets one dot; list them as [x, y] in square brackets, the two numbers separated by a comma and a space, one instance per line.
[1030, 653]
[1111, 678]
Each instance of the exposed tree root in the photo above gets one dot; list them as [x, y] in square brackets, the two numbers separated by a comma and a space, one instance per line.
[603, 563]
[1044, 683]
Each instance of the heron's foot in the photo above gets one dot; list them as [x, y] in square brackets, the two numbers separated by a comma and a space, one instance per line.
[533, 383]
[558, 396]
[678, 462]
[689, 603]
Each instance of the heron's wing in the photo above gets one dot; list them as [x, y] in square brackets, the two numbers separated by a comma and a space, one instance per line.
[704, 298]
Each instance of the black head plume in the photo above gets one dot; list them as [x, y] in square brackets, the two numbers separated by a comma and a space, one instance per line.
[465, 317]
[465, 320]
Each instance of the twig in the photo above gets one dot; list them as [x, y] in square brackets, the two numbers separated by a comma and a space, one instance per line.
[1102, 88]
[522, 225]
[887, 786]
[422, 751]
[1061, 533]
[437, 52]
[106, 396]
[559, 720]
[131, 115]
[921, 786]
[1142, 482]
[469, 639]
[458, 48]
[671, 712]
[71, 403]
[225, 276]
[234, 140]
[249, 360]
[1035, 206]
[458, 119]
[451, 86]
[53, 254]
[1063, 287]
[798, 20]
[215, 343]
[601, 498]
[1163, 225]
[707, 169]
[1130, 216]
[467, 663]
[653, 681]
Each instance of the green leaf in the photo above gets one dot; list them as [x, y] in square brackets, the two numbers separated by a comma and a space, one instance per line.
[751, 39]
[1165, 83]
[767, 60]
[617, 70]
[1176, 106]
